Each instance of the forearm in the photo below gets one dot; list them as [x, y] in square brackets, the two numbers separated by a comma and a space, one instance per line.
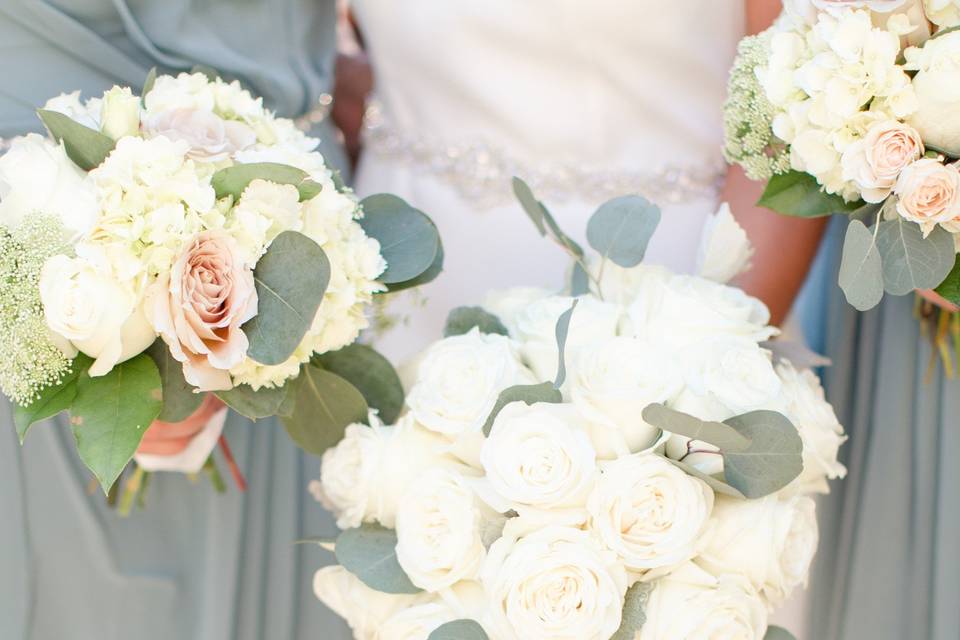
[784, 246]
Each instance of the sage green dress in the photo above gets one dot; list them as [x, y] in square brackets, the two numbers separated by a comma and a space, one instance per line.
[195, 564]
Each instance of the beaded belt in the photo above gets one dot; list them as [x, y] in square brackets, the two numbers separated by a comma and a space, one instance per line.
[481, 172]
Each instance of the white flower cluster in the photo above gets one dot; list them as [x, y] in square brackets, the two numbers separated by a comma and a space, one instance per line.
[537, 528]
[152, 251]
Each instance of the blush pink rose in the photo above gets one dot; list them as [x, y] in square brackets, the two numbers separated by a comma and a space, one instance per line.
[874, 162]
[929, 193]
[199, 306]
[210, 137]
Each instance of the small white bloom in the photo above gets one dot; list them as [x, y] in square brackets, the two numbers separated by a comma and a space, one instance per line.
[70, 105]
[725, 250]
[943, 13]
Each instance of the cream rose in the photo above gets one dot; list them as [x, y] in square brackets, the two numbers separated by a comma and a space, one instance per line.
[459, 380]
[91, 310]
[937, 87]
[554, 584]
[648, 511]
[772, 541]
[929, 193]
[874, 163]
[611, 382]
[120, 113]
[364, 609]
[416, 622]
[537, 456]
[199, 307]
[439, 531]
[210, 137]
[691, 603]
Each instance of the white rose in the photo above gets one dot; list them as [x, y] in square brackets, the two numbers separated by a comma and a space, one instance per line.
[937, 87]
[725, 250]
[363, 478]
[92, 311]
[611, 383]
[459, 380]
[648, 511]
[690, 603]
[210, 137]
[70, 105]
[439, 531]
[416, 622]
[621, 286]
[771, 541]
[592, 321]
[120, 113]
[554, 584]
[818, 426]
[683, 310]
[943, 13]
[364, 609]
[36, 176]
[735, 373]
[507, 304]
[538, 456]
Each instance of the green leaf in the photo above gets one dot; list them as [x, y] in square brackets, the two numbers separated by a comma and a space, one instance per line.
[773, 458]
[85, 146]
[148, 83]
[861, 271]
[291, 278]
[911, 261]
[634, 615]
[527, 393]
[427, 276]
[713, 482]
[372, 375]
[462, 319]
[950, 287]
[796, 193]
[720, 435]
[324, 406]
[370, 553]
[531, 206]
[621, 229]
[579, 281]
[179, 399]
[408, 239]
[262, 403]
[459, 630]
[52, 400]
[232, 181]
[778, 633]
[561, 331]
[111, 413]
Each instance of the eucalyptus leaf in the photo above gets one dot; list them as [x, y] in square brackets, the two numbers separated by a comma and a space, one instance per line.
[372, 375]
[112, 412]
[231, 181]
[526, 393]
[51, 400]
[773, 459]
[179, 399]
[579, 281]
[148, 83]
[861, 270]
[561, 331]
[621, 229]
[427, 276]
[291, 278]
[327, 543]
[459, 630]
[462, 319]
[324, 406]
[950, 287]
[713, 482]
[87, 147]
[370, 553]
[778, 633]
[408, 239]
[720, 435]
[531, 206]
[867, 212]
[911, 261]
[634, 616]
[262, 403]
[796, 193]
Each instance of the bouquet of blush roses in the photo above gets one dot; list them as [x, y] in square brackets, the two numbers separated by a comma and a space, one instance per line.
[159, 247]
[851, 108]
[627, 462]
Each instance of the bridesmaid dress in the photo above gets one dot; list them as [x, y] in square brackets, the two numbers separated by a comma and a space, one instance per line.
[194, 564]
[889, 561]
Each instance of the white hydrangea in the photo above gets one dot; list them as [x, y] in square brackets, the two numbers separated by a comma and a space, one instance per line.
[943, 13]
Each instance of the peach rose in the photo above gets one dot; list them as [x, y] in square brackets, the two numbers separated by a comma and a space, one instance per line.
[210, 137]
[929, 193]
[875, 161]
[199, 306]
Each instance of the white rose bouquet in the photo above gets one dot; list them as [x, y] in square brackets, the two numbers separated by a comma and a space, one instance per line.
[162, 247]
[853, 107]
[657, 487]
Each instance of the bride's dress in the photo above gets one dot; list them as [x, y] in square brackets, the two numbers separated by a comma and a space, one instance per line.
[584, 100]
